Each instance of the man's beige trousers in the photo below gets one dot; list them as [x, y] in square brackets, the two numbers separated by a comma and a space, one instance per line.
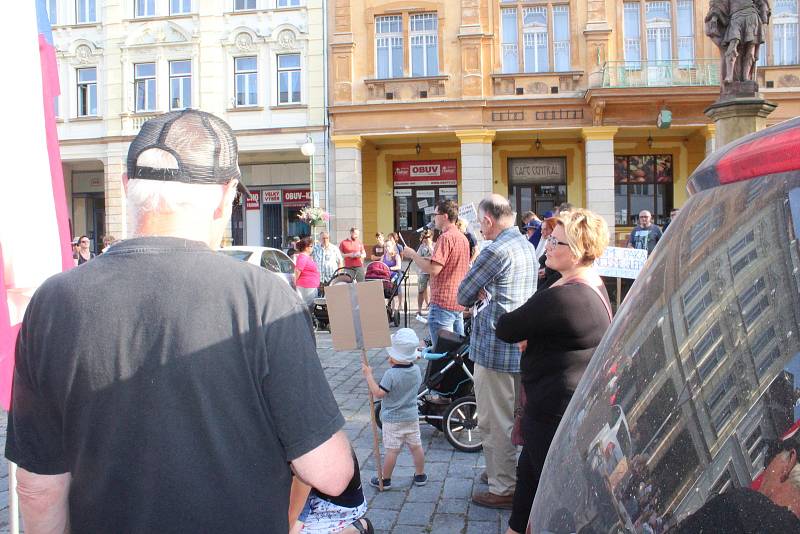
[496, 394]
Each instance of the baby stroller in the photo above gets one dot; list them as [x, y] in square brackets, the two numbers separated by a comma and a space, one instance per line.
[446, 398]
[391, 285]
[319, 311]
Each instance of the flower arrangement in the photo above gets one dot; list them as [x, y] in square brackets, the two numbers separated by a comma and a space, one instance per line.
[314, 216]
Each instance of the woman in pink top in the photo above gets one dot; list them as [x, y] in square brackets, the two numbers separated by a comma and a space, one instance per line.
[306, 274]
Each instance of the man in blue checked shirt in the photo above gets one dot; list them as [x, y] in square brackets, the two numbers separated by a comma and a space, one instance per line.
[505, 273]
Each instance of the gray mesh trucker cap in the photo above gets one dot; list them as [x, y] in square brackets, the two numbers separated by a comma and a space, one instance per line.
[203, 146]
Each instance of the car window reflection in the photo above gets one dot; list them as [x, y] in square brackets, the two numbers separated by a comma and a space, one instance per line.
[700, 369]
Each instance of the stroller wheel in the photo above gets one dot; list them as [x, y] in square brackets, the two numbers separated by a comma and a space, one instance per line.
[378, 414]
[461, 425]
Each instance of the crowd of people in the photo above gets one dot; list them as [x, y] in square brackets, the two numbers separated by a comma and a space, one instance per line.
[234, 384]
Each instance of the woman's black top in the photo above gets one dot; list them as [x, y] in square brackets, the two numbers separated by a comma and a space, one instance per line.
[550, 275]
[563, 326]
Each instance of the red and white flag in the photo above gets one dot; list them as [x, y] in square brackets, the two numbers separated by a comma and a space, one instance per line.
[34, 226]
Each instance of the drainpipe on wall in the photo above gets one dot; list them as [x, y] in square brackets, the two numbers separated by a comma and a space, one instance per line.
[326, 122]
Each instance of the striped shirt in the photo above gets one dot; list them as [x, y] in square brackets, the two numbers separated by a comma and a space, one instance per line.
[507, 269]
[327, 260]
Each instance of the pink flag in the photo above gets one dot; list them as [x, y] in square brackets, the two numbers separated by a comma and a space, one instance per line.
[34, 226]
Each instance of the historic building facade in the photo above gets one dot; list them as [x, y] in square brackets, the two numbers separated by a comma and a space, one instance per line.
[544, 101]
[259, 64]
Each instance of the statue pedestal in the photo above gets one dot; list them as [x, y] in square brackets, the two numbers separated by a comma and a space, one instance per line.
[737, 116]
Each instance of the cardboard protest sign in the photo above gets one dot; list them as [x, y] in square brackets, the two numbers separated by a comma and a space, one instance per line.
[357, 314]
[618, 262]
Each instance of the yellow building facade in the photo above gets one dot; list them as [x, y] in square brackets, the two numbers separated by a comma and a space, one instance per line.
[542, 101]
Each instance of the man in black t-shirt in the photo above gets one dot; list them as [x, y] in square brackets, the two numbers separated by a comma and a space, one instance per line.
[163, 387]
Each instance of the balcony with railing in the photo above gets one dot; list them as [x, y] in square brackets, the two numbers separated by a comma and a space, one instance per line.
[667, 73]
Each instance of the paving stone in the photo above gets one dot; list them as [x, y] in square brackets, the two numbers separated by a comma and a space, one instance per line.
[391, 499]
[481, 513]
[452, 506]
[382, 519]
[482, 527]
[448, 524]
[457, 488]
[416, 513]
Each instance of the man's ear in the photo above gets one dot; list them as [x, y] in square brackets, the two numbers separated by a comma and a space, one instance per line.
[226, 204]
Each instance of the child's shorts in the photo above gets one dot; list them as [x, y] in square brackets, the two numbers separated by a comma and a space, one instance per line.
[396, 434]
[321, 517]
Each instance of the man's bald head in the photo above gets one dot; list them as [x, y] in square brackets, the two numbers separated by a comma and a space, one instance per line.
[495, 215]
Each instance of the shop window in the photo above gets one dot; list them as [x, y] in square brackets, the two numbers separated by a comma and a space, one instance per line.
[87, 92]
[180, 84]
[289, 79]
[246, 80]
[389, 46]
[642, 182]
[424, 38]
[85, 11]
[145, 8]
[545, 38]
[144, 80]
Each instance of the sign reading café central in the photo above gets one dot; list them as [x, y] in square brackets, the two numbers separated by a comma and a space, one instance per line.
[425, 173]
[537, 170]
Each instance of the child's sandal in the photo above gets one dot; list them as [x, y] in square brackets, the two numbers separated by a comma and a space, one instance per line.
[359, 527]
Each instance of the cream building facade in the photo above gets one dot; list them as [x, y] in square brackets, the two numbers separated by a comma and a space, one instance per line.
[258, 64]
[543, 101]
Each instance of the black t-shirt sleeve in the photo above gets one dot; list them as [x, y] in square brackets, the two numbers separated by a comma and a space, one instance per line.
[299, 398]
[35, 433]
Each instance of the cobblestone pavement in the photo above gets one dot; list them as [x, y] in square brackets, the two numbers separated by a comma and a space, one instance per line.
[441, 507]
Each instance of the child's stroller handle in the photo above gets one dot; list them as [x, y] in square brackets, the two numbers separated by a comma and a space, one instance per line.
[428, 355]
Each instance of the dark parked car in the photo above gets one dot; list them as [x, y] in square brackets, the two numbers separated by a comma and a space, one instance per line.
[694, 389]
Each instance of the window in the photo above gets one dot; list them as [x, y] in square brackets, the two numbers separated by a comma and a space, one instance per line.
[642, 183]
[543, 33]
[632, 34]
[145, 8]
[176, 7]
[86, 11]
[241, 5]
[784, 33]
[659, 31]
[424, 39]
[144, 81]
[534, 37]
[288, 3]
[508, 46]
[52, 12]
[686, 33]
[246, 81]
[180, 84]
[561, 38]
[87, 92]
[389, 46]
[289, 79]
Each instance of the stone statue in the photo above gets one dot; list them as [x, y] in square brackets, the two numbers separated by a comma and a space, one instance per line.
[738, 28]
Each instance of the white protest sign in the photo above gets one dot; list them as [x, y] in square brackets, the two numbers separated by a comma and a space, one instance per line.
[618, 262]
[468, 213]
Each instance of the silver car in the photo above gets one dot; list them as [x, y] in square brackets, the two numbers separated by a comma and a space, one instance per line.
[270, 259]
